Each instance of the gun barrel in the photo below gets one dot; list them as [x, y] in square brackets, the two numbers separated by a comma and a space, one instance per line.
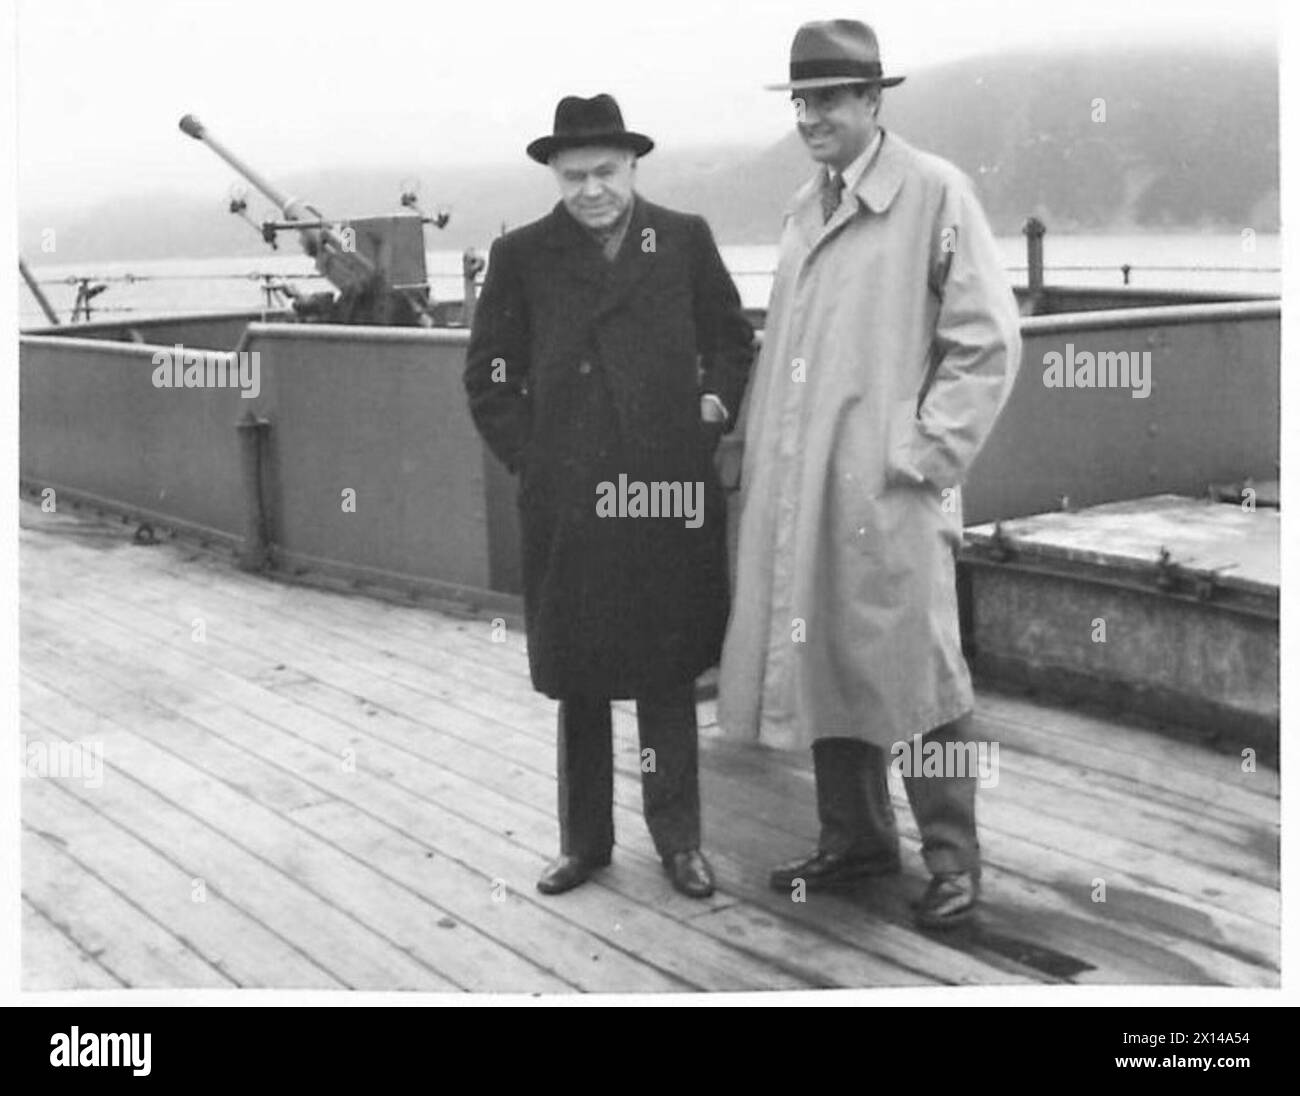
[291, 207]
[338, 260]
[294, 209]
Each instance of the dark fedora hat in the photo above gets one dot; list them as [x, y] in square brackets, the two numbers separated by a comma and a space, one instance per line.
[583, 122]
[835, 51]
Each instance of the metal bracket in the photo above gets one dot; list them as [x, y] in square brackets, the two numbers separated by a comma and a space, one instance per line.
[1168, 573]
[1000, 548]
[1173, 578]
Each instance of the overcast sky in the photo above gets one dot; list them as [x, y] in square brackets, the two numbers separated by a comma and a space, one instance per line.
[294, 84]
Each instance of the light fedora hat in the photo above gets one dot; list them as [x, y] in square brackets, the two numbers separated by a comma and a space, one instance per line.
[835, 51]
[584, 122]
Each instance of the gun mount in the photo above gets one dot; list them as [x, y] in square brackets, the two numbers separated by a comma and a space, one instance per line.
[377, 263]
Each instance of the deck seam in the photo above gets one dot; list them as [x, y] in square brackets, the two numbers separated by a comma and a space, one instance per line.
[66, 933]
[175, 805]
[185, 942]
[552, 911]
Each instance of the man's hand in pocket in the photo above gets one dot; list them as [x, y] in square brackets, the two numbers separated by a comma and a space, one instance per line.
[713, 417]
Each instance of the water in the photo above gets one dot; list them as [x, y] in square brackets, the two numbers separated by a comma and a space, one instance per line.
[1158, 261]
[172, 286]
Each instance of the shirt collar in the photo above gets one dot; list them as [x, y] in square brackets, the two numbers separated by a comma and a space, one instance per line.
[611, 239]
[853, 173]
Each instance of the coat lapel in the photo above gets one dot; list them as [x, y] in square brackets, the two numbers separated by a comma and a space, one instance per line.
[577, 256]
[882, 180]
[579, 261]
[874, 193]
[633, 262]
[575, 267]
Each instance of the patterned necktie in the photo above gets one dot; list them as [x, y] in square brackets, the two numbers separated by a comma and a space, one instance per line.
[832, 188]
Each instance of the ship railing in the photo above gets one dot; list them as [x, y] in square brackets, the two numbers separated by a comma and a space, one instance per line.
[82, 311]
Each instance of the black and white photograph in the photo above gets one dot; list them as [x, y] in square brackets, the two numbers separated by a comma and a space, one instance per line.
[772, 503]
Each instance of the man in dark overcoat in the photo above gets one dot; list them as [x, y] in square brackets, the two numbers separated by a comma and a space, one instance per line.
[609, 351]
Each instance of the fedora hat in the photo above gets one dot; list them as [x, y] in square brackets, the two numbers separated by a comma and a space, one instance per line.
[582, 122]
[835, 51]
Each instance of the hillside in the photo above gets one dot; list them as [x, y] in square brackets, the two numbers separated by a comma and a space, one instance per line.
[1189, 141]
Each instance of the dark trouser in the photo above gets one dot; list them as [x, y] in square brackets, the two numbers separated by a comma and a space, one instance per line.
[857, 816]
[670, 794]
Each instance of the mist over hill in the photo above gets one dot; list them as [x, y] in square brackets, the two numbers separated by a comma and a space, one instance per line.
[1088, 141]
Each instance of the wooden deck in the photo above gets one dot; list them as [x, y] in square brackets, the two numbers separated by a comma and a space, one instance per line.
[308, 789]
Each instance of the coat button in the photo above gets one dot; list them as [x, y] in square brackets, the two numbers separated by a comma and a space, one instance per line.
[584, 368]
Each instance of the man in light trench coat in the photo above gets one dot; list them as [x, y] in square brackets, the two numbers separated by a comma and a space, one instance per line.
[891, 343]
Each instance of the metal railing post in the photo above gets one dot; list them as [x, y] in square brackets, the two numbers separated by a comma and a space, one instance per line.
[254, 554]
[1034, 231]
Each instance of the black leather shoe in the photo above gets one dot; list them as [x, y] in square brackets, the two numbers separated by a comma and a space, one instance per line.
[949, 900]
[691, 873]
[566, 872]
[825, 870]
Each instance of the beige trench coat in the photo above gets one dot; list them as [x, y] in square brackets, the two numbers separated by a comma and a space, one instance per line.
[891, 344]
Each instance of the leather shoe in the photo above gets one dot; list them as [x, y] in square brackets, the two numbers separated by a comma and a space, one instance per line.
[825, 870]
[566, 872]
[949, 900]
[690, 873]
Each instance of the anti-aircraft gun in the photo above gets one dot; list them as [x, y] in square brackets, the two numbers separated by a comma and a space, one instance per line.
[376, 263]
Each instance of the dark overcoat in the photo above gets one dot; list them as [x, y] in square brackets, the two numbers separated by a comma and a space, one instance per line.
[582, 371]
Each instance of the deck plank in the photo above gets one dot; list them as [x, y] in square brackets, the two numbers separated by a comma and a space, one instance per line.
[1213, 961]
[1193, 972]
[456, 891]
[52, 960]
[1157, 845]
[1200, 967]
[689, 953]
[541, 791]
[466, 654]
[146, 928]
[154, 797]
[235, 746]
